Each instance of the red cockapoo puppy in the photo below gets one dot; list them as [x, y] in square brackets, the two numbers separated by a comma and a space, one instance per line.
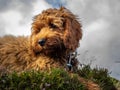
[55, 35]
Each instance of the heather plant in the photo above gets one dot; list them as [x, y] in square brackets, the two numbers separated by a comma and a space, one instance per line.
[57, 79]
[101, 76]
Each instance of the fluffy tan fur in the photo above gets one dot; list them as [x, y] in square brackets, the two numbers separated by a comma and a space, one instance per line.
[61, 31]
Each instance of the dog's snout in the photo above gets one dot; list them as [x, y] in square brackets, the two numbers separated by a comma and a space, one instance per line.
[42, 42]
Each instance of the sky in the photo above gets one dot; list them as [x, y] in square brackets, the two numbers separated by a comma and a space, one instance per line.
[100, 21]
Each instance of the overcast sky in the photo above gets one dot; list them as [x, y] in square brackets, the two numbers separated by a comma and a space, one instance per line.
[100, 20]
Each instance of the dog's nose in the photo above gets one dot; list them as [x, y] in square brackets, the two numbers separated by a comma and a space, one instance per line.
[42, 42]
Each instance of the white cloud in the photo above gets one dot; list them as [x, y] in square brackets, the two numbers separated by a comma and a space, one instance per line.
[95, 32]
[15, 22]
[76, 6]
[12, 23]
[95, 40]
[39, 6]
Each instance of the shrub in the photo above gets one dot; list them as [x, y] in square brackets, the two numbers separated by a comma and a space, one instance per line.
[57, 79]
[99, 76]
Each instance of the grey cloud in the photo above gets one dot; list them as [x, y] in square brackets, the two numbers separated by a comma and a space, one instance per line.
[103, 43]
[4, 5]
[2, 28]
[24, 6]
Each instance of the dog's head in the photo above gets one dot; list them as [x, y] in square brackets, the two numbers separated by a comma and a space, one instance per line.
[55, 31]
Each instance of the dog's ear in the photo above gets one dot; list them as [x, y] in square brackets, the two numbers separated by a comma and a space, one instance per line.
[73, 34]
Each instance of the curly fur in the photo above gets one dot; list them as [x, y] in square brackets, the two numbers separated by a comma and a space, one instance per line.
[61, 31]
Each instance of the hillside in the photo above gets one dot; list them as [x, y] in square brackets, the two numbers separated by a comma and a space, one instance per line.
[59, 79]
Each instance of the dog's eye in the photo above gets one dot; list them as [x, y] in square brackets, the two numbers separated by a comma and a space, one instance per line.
[37, 31]
[53, 25]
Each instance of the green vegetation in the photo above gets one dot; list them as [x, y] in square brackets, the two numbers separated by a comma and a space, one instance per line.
[57, 79]
[100, 76]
